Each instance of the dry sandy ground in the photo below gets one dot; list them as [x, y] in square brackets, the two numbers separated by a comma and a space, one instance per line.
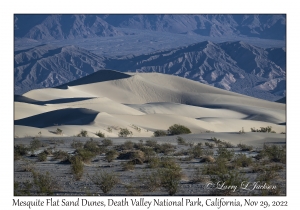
[63, 176]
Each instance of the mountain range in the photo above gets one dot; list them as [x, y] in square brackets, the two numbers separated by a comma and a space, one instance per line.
[234, 66]
[67, 26]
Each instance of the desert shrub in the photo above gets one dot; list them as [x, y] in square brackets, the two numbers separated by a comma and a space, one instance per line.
[196, 151]
[274, 153]
[241, 160]
[267, 129]
[60, 155]
[151, 143]
[136, 156]
[165, 148]
[207, 159]
[150, 181]
[100, 134]
[128, 166]
[242, 131]
[109, 129]
[77, 167]
[45, 183]
[181, 141]
[42, 157]
[224, 153]
[104, 180]
[158, 133]
[208, 152]
[58, 131]
[28, 166]
[219, 166]
[106, 142]
[83, 133]
[231, 178]
[209, 145]
[124, 132]
[23, 188]
[177, 129]
[128, 145]
[149, 153]
[35, 144]
[136, 128]
[245, 147]
[19, 151]
[92, 146]
[197, 176]
[153, 162]
[132, 189]
[86, 155]
[267, 176]
[77, 144]
[170, 178]
[111, 155]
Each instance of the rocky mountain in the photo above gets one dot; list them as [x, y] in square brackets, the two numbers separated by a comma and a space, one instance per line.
[48, 66]
[234, 66]
[45, 27]
[49, 27]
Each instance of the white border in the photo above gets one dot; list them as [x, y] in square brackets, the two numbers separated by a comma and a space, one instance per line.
[9, 8]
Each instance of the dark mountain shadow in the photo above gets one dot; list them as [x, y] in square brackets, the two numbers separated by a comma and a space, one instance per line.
[69, 116]
[24, 99]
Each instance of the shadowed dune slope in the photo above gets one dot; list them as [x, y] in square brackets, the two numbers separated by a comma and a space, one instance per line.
[69, 116]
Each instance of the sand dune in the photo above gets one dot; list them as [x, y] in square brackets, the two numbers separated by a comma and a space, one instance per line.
[108, 100]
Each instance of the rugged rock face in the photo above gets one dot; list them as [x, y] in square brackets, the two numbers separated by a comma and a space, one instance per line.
[83, 26]
[234, 66]
[48, 27]
[48, 66]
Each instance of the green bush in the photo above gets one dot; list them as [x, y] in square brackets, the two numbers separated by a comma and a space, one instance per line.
[83, 133]
[19, 151]
[151, 143]
[106, 142]
[124, 132]
[44, 182]
[105, 180]
[274, 153]
[35, 144]
[77, 144]
[181, 141]
[100, 134]
[153, 162]
[177, 129]
[128, 166]
[86, 155]
[224, 153]
[241, 160]
[58, 131]
[158, 133]
[165, 148]
[245, 147]
[42, 157]
[77, 167]
[111, 155]
[60, 155]
[196, 151]
[93, 147]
